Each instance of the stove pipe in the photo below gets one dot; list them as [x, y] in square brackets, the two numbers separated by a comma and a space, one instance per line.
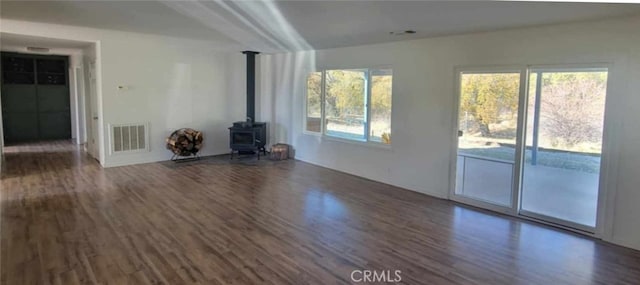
[251, 84]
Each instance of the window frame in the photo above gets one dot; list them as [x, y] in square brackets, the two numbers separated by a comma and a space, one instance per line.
[305, 112]
[367, 105]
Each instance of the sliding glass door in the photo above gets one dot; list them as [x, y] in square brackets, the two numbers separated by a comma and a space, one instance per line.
[487, 132]
[561, 170]
[531, 146]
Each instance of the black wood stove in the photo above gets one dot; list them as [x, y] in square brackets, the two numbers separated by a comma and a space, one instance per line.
[249, 137]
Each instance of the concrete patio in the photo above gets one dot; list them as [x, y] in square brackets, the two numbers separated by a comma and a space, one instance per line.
[565, 194]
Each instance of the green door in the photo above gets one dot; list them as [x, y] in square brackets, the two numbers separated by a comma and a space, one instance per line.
[35, 98]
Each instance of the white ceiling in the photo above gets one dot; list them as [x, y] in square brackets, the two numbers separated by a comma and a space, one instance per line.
[135, 16]
[271, 26]
[356, 23]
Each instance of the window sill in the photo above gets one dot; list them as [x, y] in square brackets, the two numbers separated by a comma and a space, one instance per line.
[309, 133]
[354, 142]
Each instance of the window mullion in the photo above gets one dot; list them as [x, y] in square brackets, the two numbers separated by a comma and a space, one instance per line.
[367, 105]
[323, 81]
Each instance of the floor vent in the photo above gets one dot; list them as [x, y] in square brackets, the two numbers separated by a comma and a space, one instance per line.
[129, 138]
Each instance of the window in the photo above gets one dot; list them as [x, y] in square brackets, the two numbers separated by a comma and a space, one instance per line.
[314, 102]
[353, 104]
[380, 130]
[344, 102]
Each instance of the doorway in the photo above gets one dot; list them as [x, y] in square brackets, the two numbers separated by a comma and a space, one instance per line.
[35, 98]
[530, 141]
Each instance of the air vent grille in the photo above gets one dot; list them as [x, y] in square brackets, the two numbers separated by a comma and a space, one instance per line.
[129, 137]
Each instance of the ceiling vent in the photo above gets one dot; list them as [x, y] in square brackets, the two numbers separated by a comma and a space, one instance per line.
[400, 33]
[37, 49]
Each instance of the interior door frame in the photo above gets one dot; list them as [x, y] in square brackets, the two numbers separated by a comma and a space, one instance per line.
[608, 171]
[511, 210]
[93, 137]
[81, 132]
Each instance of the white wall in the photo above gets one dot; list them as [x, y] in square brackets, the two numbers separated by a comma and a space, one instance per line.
[172, 83]
[423, 105]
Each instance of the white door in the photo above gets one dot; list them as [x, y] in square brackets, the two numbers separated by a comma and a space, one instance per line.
[80, 116]
[92, 113]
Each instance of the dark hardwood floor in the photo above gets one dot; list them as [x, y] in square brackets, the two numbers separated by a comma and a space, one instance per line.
[67, 221]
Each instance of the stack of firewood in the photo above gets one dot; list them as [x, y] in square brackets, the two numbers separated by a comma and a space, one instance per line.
[280, 151]
[185, 142]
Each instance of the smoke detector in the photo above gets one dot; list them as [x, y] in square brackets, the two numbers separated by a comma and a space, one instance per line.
[37, 49]
[400, 33]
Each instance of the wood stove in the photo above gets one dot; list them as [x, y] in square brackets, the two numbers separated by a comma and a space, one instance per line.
[248, 138]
